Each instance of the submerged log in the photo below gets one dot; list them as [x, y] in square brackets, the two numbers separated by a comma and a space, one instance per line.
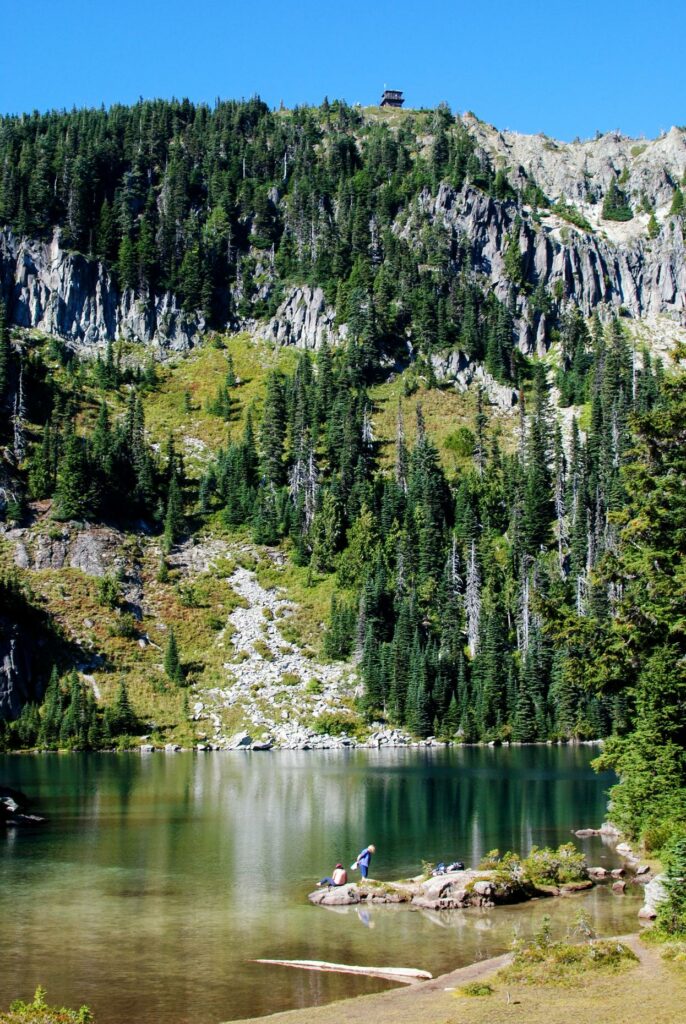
[405, 975]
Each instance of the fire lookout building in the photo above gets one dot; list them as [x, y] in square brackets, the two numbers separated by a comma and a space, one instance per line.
[392, 98]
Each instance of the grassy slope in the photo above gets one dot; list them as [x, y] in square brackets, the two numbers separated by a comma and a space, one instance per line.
[200, 373]
[445, 411]
[205, 646]
[71, 596]
[651, 990]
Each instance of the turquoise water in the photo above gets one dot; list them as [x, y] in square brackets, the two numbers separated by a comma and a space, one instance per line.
[159, 878]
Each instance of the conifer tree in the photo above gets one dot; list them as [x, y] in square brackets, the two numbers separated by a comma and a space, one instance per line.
[172, 664]
[73, 491]
[273, 431]
[173, 520]
[120, 717]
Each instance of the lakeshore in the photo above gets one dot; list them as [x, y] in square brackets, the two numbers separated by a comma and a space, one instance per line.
[649, 990]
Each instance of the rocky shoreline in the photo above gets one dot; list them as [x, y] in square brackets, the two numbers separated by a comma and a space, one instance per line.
[454, 890]
[479, 887]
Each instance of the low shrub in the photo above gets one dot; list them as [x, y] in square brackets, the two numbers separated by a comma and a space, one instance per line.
[570, 213]
[125, 626]
[188, 597]
[671, 911]
[541, 961]
[38, 1012]
[657, 835]
[476, 988]
[335, 723]
[675, 952]
[263, 649]
[555, 867]
[427, 868]
[108, 592]
[508, 864]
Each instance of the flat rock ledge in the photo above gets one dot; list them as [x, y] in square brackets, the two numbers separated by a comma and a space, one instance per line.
[455, 890]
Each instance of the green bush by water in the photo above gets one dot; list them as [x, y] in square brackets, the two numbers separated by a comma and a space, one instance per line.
[38, 1012]
[541, 961]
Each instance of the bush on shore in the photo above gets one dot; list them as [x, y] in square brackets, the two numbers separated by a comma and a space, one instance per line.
[38, 1012]
[562, 866]
[541, 961]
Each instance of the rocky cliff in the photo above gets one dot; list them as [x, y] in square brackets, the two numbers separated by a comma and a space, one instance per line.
[581, 171]
[66, 294]
[612, 265]
[605, 265]
[304, 319]
[646, 277]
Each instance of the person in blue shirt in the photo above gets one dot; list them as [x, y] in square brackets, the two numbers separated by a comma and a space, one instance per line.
[364, 858]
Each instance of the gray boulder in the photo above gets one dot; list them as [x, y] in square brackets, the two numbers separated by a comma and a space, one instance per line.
[653, 894]
[336, 896]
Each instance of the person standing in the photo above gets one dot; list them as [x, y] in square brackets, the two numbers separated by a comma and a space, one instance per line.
[364, 858]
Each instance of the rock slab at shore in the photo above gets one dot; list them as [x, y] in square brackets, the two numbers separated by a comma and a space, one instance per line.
[454, 890]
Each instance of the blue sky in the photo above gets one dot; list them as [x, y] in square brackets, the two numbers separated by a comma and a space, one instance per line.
[566, 69]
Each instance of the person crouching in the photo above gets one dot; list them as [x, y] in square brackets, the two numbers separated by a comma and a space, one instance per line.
[338, 877]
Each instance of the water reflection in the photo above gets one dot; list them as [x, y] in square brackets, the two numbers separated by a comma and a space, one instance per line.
[158, 879]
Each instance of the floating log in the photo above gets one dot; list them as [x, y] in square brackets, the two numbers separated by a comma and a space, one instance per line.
[405, 975]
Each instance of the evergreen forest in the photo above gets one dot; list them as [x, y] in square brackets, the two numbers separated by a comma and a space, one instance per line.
[531, 591]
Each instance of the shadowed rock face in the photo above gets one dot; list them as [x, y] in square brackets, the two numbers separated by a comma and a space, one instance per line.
[65, 294]
[14, 809]
[17, 677]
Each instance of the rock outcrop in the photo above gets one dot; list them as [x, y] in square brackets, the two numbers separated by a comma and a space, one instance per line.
[454, 890]
[304, 319]
[581, 171]
[456, 368]
[645, 277]
[96, 550]
[654, 894]
[65, 294]
[17, 677]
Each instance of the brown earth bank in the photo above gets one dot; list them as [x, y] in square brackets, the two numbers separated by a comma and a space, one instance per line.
[650, 990]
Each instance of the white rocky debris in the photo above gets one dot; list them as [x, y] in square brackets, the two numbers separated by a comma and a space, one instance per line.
[273, 682]
[280, 691]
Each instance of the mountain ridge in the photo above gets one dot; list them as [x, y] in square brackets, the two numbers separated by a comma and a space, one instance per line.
[547, 201]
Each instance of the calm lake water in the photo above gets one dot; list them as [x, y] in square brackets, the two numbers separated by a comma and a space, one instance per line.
[159, 878]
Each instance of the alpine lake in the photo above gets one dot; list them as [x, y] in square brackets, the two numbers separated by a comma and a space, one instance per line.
[158, 879]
